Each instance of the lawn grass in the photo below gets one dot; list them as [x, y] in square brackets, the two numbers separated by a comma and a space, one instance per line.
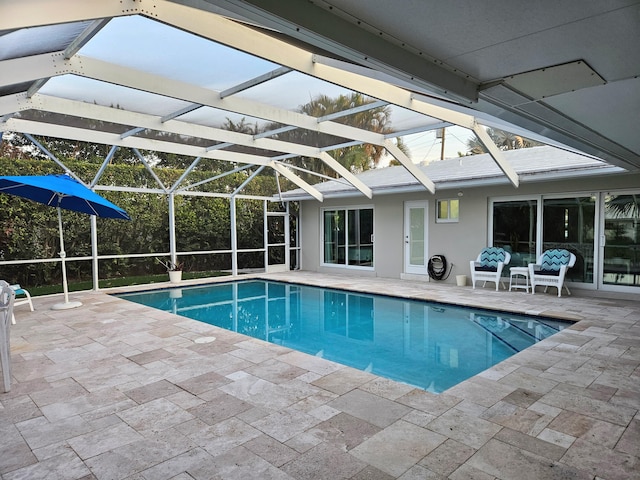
[119, 282]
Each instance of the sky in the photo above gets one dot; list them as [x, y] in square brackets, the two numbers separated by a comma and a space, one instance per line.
[426, 147]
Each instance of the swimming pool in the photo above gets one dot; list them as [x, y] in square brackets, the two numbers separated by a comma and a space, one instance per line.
[427, 345]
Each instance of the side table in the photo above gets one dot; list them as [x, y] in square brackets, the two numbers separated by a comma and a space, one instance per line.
[513, 278]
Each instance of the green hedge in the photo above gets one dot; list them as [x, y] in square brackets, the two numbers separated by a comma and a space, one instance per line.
[30, 230]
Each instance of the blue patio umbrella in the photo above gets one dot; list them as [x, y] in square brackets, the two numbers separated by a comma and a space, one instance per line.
[62, 192]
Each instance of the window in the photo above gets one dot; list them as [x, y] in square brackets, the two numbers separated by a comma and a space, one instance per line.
[448, 210]
[348, 237]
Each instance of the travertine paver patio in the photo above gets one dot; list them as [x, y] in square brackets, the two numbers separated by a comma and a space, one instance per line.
[115, 390]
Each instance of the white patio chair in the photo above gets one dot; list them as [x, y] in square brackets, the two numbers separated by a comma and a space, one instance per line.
[488, 266]
[7, 297]
[23, 301]
[551, 269]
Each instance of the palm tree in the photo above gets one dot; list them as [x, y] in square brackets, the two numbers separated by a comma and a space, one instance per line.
[503, 140]
[356, 158]
[242, 126]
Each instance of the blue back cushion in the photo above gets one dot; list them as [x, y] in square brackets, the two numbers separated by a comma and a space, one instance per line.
[552, 260]
[490, 256]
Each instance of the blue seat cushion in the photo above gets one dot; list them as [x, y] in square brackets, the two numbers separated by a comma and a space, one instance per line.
[552, 260]
[17, 289]
[489, 259]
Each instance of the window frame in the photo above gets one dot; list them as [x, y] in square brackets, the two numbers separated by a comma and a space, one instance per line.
[449, 218]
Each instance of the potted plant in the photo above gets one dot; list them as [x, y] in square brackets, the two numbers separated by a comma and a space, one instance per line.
[174, 270]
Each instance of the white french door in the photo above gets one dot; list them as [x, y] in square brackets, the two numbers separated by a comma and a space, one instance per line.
[415, 237]
[276, 235]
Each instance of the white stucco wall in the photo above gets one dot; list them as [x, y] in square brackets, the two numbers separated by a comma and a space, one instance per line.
[458, 242]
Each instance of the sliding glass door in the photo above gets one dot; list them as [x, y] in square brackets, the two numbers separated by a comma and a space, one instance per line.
[527, 227]
[602, 230]
[348, 237]
[621, 240]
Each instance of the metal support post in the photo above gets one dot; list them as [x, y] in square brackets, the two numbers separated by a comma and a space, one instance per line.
[94, 253]
[234, 237]
[172, 228]
[265, 226]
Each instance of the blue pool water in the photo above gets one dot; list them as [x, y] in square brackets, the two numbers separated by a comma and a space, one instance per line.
[427, 345]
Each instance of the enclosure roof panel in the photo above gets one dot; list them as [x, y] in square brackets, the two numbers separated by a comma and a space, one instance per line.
[211, 81]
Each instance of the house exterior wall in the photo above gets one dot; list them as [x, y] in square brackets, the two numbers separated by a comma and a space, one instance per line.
[459, 242]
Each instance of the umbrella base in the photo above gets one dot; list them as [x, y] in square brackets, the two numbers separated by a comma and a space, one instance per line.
[66, 305]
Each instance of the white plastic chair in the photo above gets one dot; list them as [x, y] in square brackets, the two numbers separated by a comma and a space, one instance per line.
[7, 297]
[488, 266]
[551, 269]
[18, 290]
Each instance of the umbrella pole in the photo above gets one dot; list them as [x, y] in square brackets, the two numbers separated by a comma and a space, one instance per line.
[67, 304]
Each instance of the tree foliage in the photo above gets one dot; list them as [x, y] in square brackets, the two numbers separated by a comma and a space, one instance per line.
[503, 140]
[356, 158]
